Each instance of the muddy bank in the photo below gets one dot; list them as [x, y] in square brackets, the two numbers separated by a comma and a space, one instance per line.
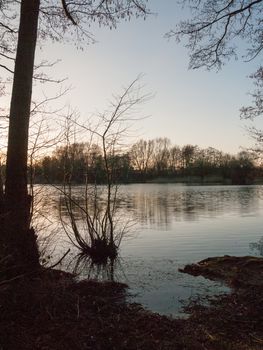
[53, 311]
[237, 272]
[235, 320]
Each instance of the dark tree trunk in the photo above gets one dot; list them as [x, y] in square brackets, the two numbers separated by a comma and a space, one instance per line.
[19, 240]
[1, 192]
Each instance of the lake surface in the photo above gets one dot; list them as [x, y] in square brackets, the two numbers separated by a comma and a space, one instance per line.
[174, 224]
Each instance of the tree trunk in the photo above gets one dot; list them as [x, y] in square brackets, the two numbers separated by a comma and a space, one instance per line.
[19, 240]
[1, 192]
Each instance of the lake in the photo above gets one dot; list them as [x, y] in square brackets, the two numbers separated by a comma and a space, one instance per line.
[174, 224]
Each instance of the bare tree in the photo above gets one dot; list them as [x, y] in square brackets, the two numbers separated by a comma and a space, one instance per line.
[38, 19]
[256, 108]
[214, 33]
[141, 154]
[188, 153]
[103, 231]
[175, 158]
[17, 238]
[161, 153]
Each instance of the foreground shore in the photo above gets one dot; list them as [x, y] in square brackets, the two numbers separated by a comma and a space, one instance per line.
[53, 311]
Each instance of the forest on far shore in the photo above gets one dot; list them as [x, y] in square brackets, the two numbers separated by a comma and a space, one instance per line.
[155, 160]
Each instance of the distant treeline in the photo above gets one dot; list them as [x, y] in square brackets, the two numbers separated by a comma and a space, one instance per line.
[146, 161]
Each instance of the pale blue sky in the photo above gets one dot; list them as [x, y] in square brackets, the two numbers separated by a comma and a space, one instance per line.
[196, 107]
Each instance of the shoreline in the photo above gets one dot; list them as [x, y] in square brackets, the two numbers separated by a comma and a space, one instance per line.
[53, 311]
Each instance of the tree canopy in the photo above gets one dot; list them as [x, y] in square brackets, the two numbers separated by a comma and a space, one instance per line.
[220, 30]
[62, 20]
[217, 27]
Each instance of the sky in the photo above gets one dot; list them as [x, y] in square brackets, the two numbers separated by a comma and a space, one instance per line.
[196, 107]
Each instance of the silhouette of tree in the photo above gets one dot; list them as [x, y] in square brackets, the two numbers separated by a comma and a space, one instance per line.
[213, 35]
[141, 155]
[188, 153]
[39, 19]
[215, 28]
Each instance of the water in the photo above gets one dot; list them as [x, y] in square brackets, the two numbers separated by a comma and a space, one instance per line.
[175, 224]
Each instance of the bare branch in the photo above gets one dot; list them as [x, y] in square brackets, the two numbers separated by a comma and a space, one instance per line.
[216, 26]
[67, 13]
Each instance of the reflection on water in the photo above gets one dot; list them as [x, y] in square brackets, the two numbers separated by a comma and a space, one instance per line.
[175, 225]
[257, 246]
[83, 267]
[162, 204]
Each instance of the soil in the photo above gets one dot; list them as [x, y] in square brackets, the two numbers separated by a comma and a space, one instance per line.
[234, 319]
[52, 311]
[237, 272]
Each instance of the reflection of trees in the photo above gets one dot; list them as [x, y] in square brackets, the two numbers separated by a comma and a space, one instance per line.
[150, 208]
[247, 198]
[83, 265]
[160, 205]
[257, 246]
[84, 268]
